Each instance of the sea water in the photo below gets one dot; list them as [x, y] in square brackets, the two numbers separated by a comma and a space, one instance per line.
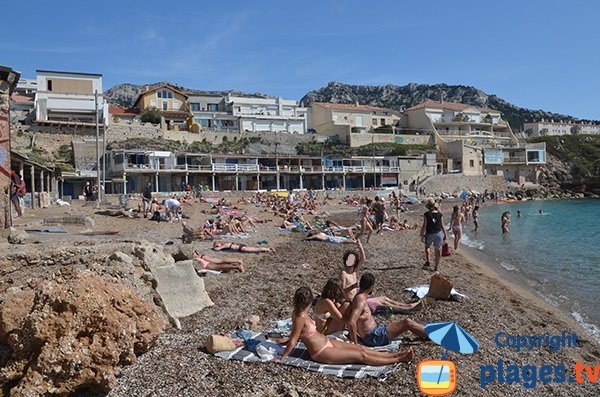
[553, 248]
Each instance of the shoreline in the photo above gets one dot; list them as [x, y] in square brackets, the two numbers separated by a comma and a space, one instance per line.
[491, 269]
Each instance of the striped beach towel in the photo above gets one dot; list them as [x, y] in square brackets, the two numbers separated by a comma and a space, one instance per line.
[299, 358]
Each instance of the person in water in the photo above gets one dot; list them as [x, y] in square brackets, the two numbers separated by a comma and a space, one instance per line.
[327, 351]
[518, 214]
[505, 221]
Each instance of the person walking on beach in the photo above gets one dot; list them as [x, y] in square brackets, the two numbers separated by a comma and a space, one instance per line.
[433, 232]
[147, 198]
[456, 225]
[475, 215]
[361, 323]
[365, 223]
[505, 221]
[379, 212]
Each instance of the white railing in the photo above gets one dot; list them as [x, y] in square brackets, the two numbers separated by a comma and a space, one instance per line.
[258, 168]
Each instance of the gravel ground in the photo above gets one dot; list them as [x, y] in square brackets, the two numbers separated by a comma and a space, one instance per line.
[179, 366]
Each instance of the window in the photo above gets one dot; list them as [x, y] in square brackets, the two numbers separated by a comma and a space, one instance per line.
[374, 121]
[175, 105]
[213, 107]
[385, 113]
[159, 94]
[382, 121]
[49, 85]
[153, 104]
[471, 163]
[165, 105]
[359, 121]
[195, 107]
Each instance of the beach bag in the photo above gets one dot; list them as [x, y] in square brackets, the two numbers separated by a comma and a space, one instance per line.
[219, 343]
[446, 250]
[439, 287]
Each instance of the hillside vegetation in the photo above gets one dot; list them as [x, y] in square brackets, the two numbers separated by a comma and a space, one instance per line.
[580, 152]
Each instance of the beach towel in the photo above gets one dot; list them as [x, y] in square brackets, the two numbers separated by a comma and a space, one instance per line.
[299, 358]
[421, 292]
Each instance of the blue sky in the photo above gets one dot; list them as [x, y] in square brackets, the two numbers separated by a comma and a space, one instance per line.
[535, 54]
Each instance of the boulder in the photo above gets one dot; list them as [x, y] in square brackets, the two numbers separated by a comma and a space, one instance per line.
[15, 236]
[121, 257]
[67, 334]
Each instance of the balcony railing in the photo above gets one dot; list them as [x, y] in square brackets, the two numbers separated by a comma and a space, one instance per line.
[257, 168]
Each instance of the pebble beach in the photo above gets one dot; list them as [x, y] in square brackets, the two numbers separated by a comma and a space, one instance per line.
[178, 364]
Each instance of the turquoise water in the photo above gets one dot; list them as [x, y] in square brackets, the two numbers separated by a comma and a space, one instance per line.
[556, 254]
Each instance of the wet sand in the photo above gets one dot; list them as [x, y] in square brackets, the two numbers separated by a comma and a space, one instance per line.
[178, 365]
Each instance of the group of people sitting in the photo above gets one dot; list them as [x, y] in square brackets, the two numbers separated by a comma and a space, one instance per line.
[346, 303]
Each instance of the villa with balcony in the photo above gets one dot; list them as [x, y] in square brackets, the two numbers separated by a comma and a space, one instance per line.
[358, 125]
[69, 98]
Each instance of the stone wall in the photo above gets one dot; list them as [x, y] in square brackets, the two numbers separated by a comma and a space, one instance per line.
[122, 132]
[457, 183]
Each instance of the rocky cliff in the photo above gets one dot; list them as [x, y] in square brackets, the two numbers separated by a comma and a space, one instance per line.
[402, 97]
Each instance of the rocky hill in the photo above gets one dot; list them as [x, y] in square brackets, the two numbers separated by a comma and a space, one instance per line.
[402, 97]
[126, 94]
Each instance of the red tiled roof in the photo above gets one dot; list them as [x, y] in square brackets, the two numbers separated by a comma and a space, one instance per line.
[22, 98]
[350, 107]
[158, 87]
[116, 110]
[459, 107]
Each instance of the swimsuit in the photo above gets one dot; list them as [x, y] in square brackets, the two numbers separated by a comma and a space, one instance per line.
[312, 329]
[377, 337]
[202, 261]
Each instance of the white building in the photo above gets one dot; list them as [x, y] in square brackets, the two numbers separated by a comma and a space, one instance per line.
[268, 114]
[543, 128]
[65, 97]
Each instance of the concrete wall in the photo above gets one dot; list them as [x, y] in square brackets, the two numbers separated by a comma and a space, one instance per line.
[360, 139]
[457, 183]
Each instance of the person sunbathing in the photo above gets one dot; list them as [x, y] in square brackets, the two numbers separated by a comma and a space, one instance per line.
[330, 308]
[361, 324]
[315, 235]
[228, 246]
[328, 351]
[218, 264]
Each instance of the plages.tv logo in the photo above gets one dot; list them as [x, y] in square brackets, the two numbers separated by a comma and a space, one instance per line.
[439, 377]
[436, 377]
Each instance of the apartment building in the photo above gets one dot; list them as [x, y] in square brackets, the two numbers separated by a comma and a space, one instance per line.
[464, 133]
[132, 170]
[268, 114]
[211, 112]
[69, 98]
[551, 127]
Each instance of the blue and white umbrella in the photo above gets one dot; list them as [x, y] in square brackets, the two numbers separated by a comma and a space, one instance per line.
[452, 336]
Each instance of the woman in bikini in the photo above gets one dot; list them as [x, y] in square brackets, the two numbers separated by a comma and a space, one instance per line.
[331, 308]
[222, 264]
[456, 222]
[328, 351]
[365, 223]
[227, 246]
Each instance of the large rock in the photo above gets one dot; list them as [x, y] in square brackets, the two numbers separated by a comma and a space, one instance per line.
[181, 290]
[73, 334]
[15, 236]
